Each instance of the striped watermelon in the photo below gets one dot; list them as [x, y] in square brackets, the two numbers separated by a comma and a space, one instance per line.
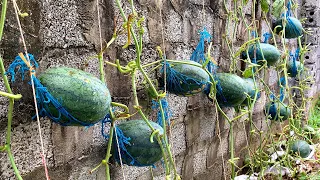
[83, 95]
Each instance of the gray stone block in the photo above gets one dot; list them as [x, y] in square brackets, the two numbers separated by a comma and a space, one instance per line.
[312, 15]
[314, 37]
[312, 56]
[311, 3]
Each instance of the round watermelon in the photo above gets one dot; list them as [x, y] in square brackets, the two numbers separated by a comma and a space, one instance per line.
[83, 95]
[140, 151]
[185, 79]
[292, 72]
[293, 28]
[275, 109]
[249, 84]
[300, 148]
[231, 89]
[270, 53]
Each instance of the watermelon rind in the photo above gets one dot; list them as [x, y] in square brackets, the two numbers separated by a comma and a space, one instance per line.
[300, 148]
[194, 78]
[233, 90]
[141, 149]
[83, 95]
[272, 109]
[270, 53]
[293, 27]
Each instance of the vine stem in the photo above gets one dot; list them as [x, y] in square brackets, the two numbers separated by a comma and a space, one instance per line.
[9, 95]
[108, 155]
[11, 99]
[138, 45]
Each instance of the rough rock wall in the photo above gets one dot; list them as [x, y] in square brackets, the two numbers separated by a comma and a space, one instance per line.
[62, 32]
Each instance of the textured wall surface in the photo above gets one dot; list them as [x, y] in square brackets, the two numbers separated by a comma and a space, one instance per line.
[65, 33]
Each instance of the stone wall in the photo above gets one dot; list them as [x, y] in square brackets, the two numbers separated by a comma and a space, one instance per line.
[65, 33]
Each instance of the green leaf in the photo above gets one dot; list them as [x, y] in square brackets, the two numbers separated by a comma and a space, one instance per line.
[265, 5]
[277, 7]
[247, 73]
[245, 1]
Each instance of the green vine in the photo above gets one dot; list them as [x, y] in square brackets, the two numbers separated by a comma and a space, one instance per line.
[12, 97]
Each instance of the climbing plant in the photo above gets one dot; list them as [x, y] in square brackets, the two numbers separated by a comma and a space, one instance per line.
[252, 60]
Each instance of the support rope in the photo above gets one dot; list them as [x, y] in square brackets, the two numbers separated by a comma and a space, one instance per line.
[32, 72]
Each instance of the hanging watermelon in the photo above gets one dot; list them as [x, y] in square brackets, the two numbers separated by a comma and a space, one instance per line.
[294, 67]
[300, 148]
[185, 79]
[270, 53]
[293, 28]
[84, 96]
[275, 109]
[231, 89]
[249, 84]
[138, 150]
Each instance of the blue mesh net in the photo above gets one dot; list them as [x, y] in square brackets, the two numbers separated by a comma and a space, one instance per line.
[198, 54]
[291, 27]
[282, 84]
[293, 68]
[266, 37]
[179, 83]
[45, 100]
[166, 110]
[19, 63]
[123, 142]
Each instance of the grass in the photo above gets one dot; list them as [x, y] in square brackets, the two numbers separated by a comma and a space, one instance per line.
[314, 117]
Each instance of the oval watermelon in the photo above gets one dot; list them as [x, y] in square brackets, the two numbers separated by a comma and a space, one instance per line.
[84, 96]
[271, 109]
[293, 27]
[185, 79]
[231, 89]
[290, 68]
[141, 149]
[270, 53]
[301, 148]
[249, 84]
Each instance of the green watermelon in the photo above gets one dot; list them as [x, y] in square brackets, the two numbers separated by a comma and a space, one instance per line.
[249, 84]
[141, 149]
[290, 68]
[231, 89]
[83, 95]
[293, 28]
[301, 148]
[271, 109]
[270, 53]
[186, 79]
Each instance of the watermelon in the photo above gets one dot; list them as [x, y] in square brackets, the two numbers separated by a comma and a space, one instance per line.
[293, 27]
[270, 53]
[290, 68]
[271, 109]
[301, 148]
[185, 79]
[231, 89]
[83, 95]
[249, 84]
[141, 149]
